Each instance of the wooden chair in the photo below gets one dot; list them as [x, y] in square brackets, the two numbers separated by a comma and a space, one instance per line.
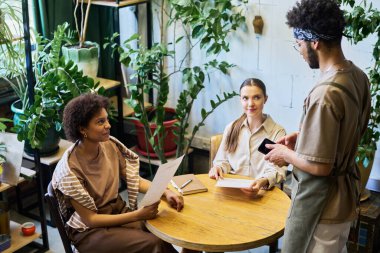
[215, 141]
[58, 218]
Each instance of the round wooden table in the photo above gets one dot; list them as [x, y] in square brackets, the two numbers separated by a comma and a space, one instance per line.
[223, 219]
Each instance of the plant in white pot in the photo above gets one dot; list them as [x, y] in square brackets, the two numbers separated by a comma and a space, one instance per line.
[85, 54]
[57, 82]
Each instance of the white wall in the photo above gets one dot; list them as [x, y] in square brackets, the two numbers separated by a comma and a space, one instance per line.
[269, 57]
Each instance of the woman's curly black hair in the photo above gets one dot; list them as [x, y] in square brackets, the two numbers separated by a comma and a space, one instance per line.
[79, 111]
[320, 16]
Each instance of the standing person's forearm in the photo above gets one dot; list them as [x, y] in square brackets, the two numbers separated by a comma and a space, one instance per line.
[314, 168]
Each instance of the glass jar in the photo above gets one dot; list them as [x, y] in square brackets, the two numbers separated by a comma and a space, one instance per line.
[4, 218]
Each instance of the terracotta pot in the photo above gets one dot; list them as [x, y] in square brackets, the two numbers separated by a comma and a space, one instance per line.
[28, 228]
[169, 147]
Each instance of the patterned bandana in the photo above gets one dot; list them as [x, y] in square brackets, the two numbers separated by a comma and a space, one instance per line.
[309, 35]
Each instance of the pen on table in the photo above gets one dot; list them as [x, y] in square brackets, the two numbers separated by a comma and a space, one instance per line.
[186, 183]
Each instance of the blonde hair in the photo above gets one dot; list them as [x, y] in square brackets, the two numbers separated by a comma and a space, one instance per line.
[233, 134]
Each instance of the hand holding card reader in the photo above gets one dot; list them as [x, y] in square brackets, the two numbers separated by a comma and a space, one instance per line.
[262, 147]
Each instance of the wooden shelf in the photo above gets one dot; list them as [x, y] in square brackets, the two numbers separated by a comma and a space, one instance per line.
[5, 186]
[107, 83]
[112, 3]
[53, 159]
[18, 240]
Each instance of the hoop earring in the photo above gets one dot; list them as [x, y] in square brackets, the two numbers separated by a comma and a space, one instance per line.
[85, 135]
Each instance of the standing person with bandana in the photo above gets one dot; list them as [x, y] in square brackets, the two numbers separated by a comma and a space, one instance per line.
[325, 188]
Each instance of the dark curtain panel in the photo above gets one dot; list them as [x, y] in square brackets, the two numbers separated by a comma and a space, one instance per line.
[101, 26]
[50, 13]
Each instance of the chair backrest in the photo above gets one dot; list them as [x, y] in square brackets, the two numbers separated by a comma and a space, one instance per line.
[214, 146]
[58, 218]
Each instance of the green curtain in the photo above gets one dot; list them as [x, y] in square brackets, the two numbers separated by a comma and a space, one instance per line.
[101, 26]
[51, 13]
[48, 14]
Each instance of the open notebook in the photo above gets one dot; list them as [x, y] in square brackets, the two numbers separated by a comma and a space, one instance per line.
[182, 184]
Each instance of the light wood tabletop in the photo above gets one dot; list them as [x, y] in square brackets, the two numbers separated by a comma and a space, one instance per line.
[223, 219]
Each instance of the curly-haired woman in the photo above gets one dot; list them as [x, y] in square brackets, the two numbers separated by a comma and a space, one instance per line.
[86, 181]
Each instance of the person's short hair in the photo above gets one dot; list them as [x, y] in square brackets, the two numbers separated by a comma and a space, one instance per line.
[320, 16]
[79, 111]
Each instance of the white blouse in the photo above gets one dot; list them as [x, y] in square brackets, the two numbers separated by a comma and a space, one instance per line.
[247, 160]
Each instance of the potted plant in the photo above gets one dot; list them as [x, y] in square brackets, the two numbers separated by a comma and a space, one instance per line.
[85, 54]
[47, 63]
[57, 82]
[12, 64]
[207, 24]
[364, 20]
[12, 51]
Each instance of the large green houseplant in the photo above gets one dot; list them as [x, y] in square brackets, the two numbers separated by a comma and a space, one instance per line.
[57, 82]
[364, 20]
[207, 25]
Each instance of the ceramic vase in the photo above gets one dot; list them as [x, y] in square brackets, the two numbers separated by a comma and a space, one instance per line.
[258, 24]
